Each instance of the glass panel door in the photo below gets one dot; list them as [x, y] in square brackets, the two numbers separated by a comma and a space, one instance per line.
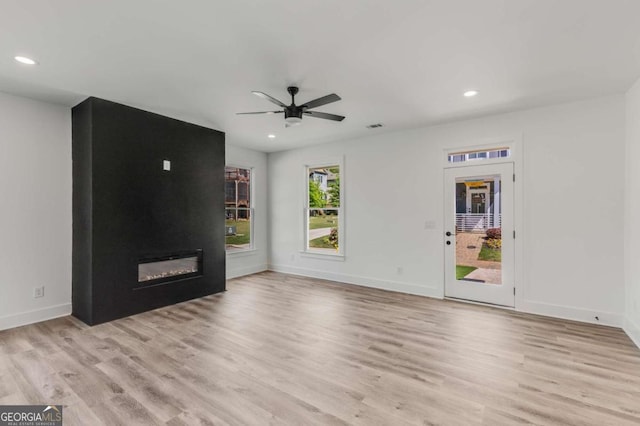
[479, 213]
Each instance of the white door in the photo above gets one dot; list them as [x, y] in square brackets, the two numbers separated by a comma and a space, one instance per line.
[479, 246]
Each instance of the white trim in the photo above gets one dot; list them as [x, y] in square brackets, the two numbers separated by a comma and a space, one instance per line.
[632, 330]
[241, 252]
[321, 255]
[38, 315]
[239, 166]
[528, 307]
[571, 313]
[517, 155]
[473, 302]
[240, 272]
[408, 288]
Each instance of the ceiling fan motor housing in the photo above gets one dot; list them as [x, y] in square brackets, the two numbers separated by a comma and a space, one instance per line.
[293, 111]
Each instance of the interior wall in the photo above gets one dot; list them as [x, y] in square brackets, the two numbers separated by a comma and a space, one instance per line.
[252, 261]
[35, 218]
[632, 214]
[573, 182]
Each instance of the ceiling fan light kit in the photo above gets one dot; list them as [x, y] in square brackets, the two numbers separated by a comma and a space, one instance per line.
[293, 113]
[293, 121]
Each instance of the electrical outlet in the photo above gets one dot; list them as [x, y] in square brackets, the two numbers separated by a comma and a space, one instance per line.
[38, 292]
[400, 270]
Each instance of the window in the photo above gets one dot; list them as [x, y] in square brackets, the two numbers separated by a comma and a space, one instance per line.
[323, 212]
[460, 157]
[238, 209]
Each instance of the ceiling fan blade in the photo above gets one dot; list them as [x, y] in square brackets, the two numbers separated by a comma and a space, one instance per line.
[322, 101]
[326, 116]
[269, 98]
[259, 112]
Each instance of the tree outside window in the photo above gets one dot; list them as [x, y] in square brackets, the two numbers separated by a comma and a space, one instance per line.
[323, 209]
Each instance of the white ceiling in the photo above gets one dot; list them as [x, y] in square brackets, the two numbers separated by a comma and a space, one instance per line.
[402, 63]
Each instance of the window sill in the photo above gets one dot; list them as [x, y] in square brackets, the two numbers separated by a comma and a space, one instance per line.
[240, 253]
[325, 256]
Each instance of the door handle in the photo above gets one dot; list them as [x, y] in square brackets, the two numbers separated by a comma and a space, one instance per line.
[448, 234]
[448, 243]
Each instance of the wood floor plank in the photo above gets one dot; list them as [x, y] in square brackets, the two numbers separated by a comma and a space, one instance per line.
[283, 349]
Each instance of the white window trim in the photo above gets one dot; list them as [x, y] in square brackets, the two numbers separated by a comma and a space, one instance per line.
[316, 253]
[252, 248]
[242, 252]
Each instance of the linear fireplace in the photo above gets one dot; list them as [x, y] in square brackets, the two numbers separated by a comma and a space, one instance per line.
[170, 267]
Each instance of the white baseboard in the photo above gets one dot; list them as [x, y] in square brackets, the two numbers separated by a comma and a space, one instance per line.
[555, 311]
[30, 317]
[570, 313]
[239, 272]
[408, 288]
[633, 331]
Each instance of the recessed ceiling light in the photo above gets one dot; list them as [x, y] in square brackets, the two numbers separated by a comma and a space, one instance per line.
[25, 60]
[470, 93]
[271, 136]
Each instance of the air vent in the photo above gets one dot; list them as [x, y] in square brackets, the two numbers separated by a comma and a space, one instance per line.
[374, 126]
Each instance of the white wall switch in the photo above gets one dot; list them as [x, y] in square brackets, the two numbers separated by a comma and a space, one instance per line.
[166, 165]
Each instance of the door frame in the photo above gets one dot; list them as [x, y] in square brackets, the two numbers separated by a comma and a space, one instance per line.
[515, 144]
[500, 292]
[487, 197]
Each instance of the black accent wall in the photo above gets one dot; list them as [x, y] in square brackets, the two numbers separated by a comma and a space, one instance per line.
[126, 207]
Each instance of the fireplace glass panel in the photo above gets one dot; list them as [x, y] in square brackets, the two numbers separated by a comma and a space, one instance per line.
[169, 268]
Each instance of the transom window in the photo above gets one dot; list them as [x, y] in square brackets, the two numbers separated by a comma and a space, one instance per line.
[238, 209]
[323, 212]
[459, 157]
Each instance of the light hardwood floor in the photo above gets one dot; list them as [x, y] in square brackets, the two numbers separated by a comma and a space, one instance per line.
[279, 349]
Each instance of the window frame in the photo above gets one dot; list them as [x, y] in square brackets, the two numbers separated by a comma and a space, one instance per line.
[478, 155]
[323, 253]
[250, 209]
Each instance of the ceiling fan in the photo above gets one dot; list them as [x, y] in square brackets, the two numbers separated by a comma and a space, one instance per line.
[293, 113]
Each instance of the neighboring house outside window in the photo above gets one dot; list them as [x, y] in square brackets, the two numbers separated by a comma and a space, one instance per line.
[323, 210]
[238, 208]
